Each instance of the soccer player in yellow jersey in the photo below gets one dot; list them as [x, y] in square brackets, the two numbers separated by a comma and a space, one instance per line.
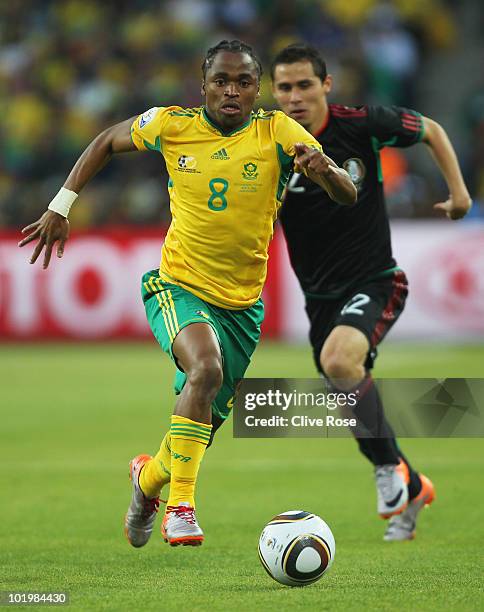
[228, 167]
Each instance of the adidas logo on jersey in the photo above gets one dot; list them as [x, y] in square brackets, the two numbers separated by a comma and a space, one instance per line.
[222, 154]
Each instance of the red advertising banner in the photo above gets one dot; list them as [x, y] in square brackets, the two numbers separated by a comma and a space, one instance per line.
[93, 292]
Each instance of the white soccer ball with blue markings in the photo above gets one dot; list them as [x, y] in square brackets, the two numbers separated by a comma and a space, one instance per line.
[296, 548]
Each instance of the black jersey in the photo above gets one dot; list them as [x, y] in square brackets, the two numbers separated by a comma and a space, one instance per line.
[334, 247]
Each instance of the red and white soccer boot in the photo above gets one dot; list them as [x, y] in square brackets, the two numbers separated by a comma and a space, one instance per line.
[180, 526]
[141, 515]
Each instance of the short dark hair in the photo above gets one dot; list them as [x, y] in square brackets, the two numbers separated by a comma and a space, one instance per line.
[299, 53]
[233, 46]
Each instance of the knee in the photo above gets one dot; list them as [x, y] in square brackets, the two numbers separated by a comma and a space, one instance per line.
[206, 376]
[339, 364]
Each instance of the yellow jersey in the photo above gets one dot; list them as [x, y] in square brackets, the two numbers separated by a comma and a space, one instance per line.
[225, 191]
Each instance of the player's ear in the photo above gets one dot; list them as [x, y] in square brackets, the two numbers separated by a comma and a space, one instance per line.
[202, 90]
[328, 83]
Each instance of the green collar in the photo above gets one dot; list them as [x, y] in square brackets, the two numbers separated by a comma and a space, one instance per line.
[216, 127]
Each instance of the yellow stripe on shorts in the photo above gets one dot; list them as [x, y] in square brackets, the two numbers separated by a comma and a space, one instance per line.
[163, 312]
[152, 285]
[173, 311]
[167, 305]
[170, 311]
[170, 328]
[172, 304]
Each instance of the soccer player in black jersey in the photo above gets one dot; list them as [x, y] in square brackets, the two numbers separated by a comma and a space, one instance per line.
[342, 256]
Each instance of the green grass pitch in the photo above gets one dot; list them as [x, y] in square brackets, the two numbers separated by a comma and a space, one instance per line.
[73, 416]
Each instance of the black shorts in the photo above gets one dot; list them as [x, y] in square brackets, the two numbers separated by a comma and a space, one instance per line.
[372, 307]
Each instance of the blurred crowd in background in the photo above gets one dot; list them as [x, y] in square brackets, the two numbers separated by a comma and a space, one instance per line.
[70, 68]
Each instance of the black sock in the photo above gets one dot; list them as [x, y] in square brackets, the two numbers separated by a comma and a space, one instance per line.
[414, 484]
[370, 447]
[373, 432]
[365, 448]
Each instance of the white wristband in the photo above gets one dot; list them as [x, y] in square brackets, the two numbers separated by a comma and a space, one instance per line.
[63, 201]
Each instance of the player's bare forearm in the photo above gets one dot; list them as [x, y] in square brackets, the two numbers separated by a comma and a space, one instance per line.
[53, 227]
[459, 201]
[325, 172]
[337, 183]
[116, 139]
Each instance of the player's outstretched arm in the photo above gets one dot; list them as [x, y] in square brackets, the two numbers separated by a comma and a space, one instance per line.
[459, 202]
[326, 173]
[53, 226]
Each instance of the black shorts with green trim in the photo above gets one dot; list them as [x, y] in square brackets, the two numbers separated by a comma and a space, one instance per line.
[372, 307]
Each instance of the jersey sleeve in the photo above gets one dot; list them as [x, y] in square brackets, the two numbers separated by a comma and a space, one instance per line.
[147, 129]
[287, 133]
[394, 126]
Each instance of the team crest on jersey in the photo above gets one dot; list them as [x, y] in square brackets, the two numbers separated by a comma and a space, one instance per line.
[147, 116]
[187, 163]
[250, 171]
[356, 169]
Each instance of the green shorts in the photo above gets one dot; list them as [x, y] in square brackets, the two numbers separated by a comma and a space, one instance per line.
[169, 309]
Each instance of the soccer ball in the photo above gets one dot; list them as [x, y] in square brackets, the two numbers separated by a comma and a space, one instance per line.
[296, 548]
